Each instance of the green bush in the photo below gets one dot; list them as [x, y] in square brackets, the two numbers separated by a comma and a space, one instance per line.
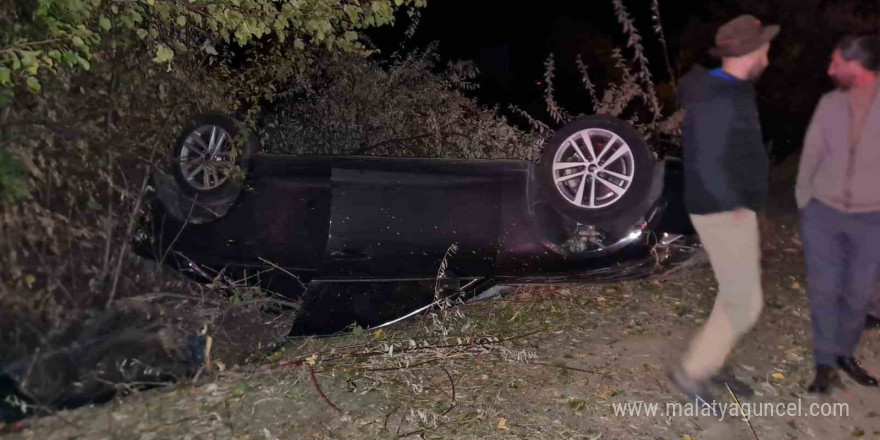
[92, 96]
[13, 186]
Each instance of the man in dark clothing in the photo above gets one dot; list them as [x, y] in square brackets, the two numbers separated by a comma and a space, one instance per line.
[725, 167]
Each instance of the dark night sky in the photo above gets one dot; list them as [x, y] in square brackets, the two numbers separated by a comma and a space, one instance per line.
[510, 43]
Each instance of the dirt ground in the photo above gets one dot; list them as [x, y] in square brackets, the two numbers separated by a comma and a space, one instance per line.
[543, 362]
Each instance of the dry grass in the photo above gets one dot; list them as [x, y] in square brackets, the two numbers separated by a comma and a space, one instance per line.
[545, 362]
[449, 372]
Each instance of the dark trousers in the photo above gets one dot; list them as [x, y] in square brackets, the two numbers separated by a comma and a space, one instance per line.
[842, 253]
[874, 307]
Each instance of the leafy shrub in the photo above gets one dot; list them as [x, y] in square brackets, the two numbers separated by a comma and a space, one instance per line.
[13, 186]
[92, 96]
[405, 107]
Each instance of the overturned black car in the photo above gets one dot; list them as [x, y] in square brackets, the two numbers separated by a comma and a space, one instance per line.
[369, 239]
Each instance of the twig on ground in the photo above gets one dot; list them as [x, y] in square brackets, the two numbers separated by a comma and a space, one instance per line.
[318, 387]
[452, 383]
[133, 386]
[279, 302]
[748, 422]
[160, 295]
[566, 367]
[268, 399]
[314, 381]
[471, 344]
[417, 431]
[404, 367]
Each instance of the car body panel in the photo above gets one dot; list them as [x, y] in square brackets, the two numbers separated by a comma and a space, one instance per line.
[400, 220]
[346, 231]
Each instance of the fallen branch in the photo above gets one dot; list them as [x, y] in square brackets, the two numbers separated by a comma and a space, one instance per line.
[160, 295]
[417, 431]
[339, 356]
[452, 383]
[745, 419]
[566, 367]
[318, 387]
[471, 344]
[314, 382]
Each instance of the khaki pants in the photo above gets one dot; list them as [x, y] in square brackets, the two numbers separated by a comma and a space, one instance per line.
[732, 241]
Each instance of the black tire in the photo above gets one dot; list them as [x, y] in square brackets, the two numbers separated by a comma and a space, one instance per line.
[637, 166]
[195, 204]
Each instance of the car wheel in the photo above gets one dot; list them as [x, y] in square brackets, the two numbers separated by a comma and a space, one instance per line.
[209, 163]
[209, 153]
[598, 169]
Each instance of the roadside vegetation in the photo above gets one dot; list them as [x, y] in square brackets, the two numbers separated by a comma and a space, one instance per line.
[92, 96]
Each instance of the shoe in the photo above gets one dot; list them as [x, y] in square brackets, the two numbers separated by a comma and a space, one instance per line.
[826, 377]
[695, 391]
[872, 322]
[852, 368]
[740, 388]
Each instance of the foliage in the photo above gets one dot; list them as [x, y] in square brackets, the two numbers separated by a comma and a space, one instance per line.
[643, 74]
[352, 105]
[94, 93]
[12, 179]
[71, 34]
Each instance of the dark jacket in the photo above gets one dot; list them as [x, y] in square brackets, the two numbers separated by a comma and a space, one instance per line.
[724, 157]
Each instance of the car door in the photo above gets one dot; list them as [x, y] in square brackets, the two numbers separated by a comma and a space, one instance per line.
[285, 215]
[281, 218]
[397, 218]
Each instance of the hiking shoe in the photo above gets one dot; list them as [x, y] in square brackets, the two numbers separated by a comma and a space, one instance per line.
[695, 391]
[826, 378]
[740, 388]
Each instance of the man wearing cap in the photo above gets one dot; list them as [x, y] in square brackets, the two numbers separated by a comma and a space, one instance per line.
[838, 193]
[725, 167]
